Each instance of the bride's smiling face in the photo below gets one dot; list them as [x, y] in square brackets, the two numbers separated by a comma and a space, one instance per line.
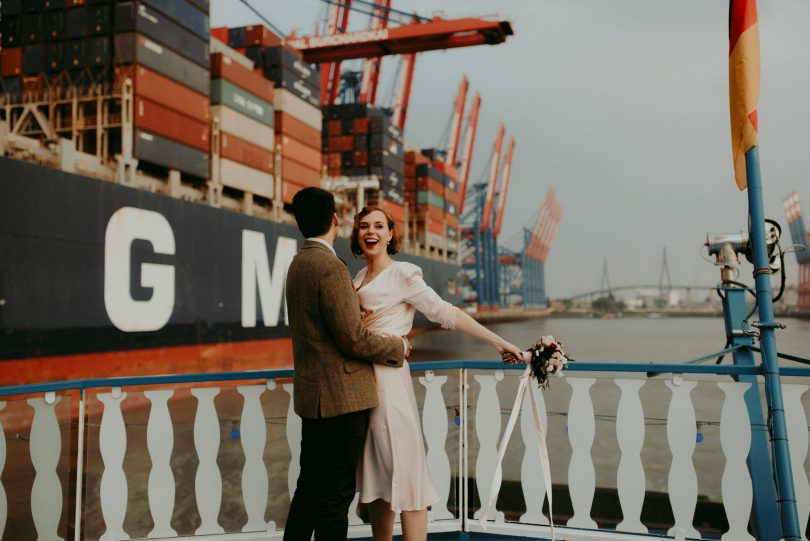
[373, 233]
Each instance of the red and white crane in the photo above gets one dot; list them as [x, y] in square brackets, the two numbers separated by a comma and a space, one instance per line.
[489, 199]
[371, 69]
[466, 157]
[545, 228]
[507, 172]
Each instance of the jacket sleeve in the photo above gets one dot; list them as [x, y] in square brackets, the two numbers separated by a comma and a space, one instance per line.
[341, 311]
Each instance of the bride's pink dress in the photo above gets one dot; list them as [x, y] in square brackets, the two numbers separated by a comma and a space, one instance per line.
[393, 466]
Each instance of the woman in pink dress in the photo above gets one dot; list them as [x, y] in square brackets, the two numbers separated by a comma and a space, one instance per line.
[392, 476]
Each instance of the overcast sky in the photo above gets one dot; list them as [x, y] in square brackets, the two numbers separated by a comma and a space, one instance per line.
[622, 107]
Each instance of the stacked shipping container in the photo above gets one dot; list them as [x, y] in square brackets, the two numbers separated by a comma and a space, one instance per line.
[244, 118]
[360, 141]
[162, 45]
[296, 102]
[431, 190]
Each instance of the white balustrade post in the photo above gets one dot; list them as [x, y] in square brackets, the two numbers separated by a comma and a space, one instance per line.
[581, 472]
[630, 478]
[208, 481]
[293, 442]
[735, 439]
[112, 443]
[45, 446]
[532, 479]
[3, 500]
[434, 425]
[681, 434]
[159, 441]
[253, 434]
[796, 420]
[488, 430]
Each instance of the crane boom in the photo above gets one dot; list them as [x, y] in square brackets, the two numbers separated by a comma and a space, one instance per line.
[493, 179]
[455, 124]
[338, 22]
[798, 232]
[469, 143]
[435, 34]
[404, 91]
[371, 69]
[507, 171]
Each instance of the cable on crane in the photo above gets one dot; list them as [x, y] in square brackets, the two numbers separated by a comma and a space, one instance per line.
[372, 14]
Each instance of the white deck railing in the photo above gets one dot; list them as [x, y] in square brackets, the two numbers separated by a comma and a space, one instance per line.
[217, 455]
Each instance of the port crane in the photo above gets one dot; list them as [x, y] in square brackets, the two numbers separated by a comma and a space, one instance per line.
[420, 35]
[799, 236]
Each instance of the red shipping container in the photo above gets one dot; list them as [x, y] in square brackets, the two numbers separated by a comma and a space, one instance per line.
[452, 221]
[221, 33]
[225, 68]
[159, 89]
[246, 153]
[346, 143]
[361, 125]
[432, 226]
[333, 171]
[287, 124]
[425, 211]
[410, 170]
[360, 158]
[161, 120]
[288, 190]
[333, 160]
[299, 152]
[10, 61]
[260, 35]
[397, 211]
[430, 184]
[333, 128]
[334, 144]
[299, 174]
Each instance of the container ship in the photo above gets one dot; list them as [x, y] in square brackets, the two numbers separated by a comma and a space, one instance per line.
[147, 164]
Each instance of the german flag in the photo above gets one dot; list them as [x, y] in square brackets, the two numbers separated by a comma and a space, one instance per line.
[743, 79]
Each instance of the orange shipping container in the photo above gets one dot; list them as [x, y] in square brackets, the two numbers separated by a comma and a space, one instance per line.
[159, 89]
[333, 160]
[299, 152]
[241, 151]
[361, 125]
[437, 228]
[430, 184]
[260, 35]
[289, 125]
[333, 126]
[452, 221]
[161, 120]
[299, 174]
[397, 211]
[425, 211]
[225, 68]
[11, 61]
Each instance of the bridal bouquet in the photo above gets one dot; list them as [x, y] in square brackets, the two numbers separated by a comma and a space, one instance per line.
[546, 357]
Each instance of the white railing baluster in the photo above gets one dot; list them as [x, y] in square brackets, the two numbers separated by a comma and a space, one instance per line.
[735, 439]
[3, 500]
[630, 478]
[208, 481]
[681, 434]
[45, 447]
[159, 441]
[253, 434]
[532, 480]
[581, 472]
[796, 420]
[293, 442]
[112, 443]
[488, 430]
[434, 425]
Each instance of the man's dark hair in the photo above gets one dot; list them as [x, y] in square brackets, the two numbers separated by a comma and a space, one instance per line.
[313, 209]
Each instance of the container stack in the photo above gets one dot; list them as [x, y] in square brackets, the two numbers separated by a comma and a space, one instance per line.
[296, 100]
[162, 45]
[431, 191]
[244, 138]
[359, 141]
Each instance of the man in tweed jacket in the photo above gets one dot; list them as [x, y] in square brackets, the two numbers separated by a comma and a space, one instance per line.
[333, 386]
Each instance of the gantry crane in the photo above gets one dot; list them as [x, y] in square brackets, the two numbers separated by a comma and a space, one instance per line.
[799, 236]
[421, 35]
[537, 246]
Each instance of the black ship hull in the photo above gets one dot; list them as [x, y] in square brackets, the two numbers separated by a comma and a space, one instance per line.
[112, 278]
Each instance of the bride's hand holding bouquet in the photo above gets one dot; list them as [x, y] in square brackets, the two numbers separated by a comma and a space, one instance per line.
[546, 356]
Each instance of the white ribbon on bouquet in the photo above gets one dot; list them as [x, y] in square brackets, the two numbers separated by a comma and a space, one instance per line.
[539, 433]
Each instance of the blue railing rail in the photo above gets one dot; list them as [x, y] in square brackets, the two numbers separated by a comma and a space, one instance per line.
[484, 375]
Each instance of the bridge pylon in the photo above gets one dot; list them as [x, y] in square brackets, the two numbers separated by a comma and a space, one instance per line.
[664, 281]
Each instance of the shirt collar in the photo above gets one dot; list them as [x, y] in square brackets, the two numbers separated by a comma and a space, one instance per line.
[331, 248]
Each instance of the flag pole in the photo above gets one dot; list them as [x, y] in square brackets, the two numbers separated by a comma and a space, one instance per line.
[786, 496]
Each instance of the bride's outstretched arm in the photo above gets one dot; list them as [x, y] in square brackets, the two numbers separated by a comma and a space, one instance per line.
[466, 324]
